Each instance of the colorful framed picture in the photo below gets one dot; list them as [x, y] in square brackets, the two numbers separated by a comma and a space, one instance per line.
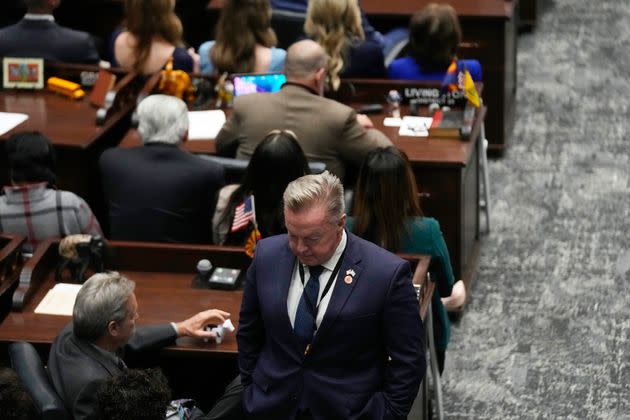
[23, 73]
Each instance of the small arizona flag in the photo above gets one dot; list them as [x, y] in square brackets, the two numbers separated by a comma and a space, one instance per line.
[458, 78]
[250, 245]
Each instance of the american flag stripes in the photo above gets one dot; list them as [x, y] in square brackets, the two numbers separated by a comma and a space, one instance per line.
[243, 214]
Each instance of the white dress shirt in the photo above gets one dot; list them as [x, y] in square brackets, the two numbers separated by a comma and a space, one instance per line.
[39, 16]
[296, 288]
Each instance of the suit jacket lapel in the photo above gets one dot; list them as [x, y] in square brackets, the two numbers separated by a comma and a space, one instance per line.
[342, 290]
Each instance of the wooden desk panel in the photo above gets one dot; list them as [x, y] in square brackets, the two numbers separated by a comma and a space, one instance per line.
[11, 261]
[163, 289]
[163, 276]
[464, 8]
[66, 122]
[529, 12]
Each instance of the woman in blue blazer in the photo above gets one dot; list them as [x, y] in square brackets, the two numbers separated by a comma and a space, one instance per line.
[434, 35]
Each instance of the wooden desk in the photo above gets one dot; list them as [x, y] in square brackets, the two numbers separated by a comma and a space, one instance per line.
[163, 276]
[11, 262]
[71, 126]
[489, 35]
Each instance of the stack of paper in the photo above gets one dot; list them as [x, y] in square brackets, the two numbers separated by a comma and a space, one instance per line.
[415, 126]
[10, 120]
[205, 125]
[59, 300]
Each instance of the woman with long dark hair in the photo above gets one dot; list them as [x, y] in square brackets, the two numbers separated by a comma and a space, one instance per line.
[276, 161]
[387, 212]
[244, 40]
[152, 35]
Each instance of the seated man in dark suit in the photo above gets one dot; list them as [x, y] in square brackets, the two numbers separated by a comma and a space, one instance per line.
[87, 352]
[159, 192]
[328, 131]
[37, 35]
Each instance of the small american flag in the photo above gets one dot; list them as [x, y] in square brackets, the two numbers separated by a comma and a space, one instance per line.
[243, 214]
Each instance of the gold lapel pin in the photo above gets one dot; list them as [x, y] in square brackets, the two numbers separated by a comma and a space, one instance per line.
[349, 276]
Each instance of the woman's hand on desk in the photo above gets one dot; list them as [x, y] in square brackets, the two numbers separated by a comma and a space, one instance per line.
[194, 326]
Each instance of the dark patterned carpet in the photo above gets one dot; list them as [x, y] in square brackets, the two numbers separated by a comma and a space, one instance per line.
[546, 334]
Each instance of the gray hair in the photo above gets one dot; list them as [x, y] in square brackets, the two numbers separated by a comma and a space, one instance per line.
[304, 58]
[309, 190]
[162, 119]
[101, 299]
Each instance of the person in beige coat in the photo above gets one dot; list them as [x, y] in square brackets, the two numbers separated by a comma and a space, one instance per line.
[327, 131]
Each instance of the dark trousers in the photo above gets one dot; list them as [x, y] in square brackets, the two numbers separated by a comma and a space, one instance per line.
[230, 404]
[304, 415]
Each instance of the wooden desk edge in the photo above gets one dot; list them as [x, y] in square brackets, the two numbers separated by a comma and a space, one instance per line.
[33, 273]
[420, 279]
[10, 261]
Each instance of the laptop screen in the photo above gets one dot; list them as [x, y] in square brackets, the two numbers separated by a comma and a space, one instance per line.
[263, 82]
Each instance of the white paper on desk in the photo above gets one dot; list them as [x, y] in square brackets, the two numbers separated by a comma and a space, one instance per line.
[392, 122]
[415, 126]
[205, 125]
[10, 120]
[59, 300]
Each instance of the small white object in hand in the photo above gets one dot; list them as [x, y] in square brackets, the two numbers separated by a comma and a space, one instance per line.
[219, 331]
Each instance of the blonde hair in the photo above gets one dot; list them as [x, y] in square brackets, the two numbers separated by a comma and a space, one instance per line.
[334, 24]
[309, 190]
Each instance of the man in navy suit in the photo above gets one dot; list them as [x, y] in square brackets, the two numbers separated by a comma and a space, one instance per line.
[37, 35]
[329, 325]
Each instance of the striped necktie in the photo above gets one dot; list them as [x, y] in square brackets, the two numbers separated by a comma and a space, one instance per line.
[304, 325]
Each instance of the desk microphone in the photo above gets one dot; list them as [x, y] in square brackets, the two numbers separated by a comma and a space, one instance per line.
[203, 270]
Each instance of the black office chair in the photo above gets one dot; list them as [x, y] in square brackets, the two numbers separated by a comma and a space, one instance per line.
[289, 26]
[29, 367]
[235, 168]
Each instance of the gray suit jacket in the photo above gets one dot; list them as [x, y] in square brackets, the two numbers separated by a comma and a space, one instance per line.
[77, 368]
[327, 130]
[48, 40]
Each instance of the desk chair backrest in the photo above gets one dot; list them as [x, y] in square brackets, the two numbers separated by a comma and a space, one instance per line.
[235, 168]
[289, 26]
[29, 367]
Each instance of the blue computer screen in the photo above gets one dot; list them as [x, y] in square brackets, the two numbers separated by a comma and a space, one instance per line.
[252, 83]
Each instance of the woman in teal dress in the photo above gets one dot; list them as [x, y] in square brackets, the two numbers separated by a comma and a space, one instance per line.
[387, 212]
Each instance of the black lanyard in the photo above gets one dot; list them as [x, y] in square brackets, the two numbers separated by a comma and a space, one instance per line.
[329, 283]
